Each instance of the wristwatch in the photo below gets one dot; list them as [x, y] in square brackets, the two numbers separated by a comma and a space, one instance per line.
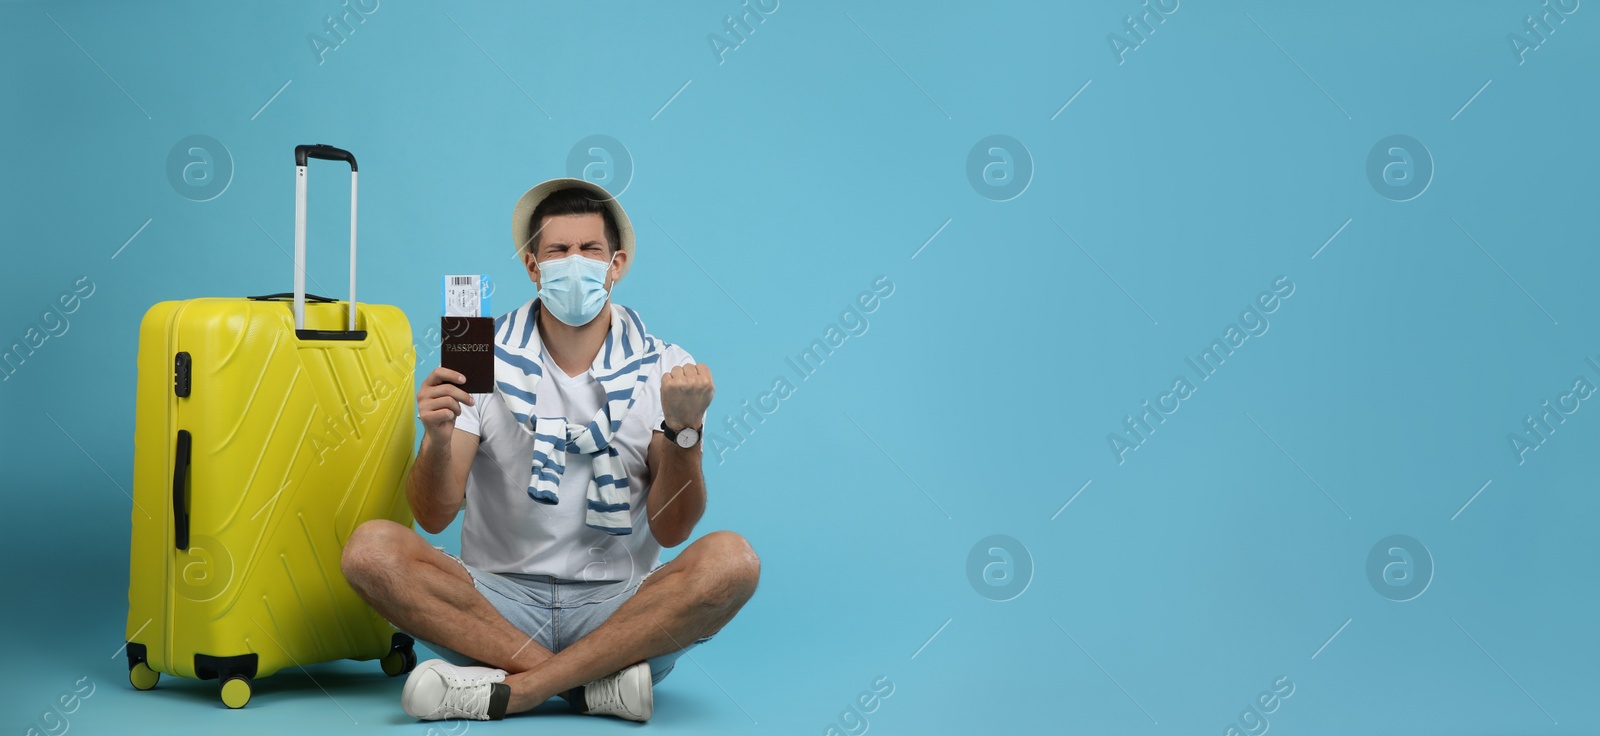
[686, 438]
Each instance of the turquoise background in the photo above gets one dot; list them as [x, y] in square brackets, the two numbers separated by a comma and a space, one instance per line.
[1228, 551]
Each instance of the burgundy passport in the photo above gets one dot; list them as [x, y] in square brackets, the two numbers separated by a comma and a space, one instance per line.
[468, 347]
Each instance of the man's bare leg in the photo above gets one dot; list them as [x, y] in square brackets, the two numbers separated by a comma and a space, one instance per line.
[689, 598]
[423, 591]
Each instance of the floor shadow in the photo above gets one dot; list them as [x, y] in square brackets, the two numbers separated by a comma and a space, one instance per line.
[293, 685]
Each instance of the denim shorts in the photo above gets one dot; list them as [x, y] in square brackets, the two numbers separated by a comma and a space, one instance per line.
[556, 613]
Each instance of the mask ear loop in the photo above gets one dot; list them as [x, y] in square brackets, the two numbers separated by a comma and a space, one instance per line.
[609, 263]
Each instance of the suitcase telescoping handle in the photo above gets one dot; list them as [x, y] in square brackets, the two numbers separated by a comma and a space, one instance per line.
[324, 152]
[328, 153]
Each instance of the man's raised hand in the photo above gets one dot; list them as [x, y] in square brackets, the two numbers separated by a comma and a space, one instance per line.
[685, 395]
[439, 403]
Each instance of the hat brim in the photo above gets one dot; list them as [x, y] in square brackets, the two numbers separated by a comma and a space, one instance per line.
[522, 232]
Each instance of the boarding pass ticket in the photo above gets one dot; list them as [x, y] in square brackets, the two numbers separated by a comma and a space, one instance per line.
[467, 296]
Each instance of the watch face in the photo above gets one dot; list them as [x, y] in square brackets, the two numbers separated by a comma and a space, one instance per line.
[687, 437]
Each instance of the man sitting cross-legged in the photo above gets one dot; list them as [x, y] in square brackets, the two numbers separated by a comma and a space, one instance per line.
[580, 465]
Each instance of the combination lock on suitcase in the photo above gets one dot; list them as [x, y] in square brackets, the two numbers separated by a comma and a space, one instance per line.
[266, 429]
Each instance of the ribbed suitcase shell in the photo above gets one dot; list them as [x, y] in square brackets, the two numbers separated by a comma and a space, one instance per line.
[294, 442]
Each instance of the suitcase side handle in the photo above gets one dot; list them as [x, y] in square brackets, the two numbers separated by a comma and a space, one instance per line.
[302, 154]
[290, 295]
[180, 477]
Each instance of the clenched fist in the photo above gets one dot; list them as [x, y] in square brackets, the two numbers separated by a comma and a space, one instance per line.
[685, 395]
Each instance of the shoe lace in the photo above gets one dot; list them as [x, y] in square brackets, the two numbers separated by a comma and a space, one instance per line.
[604, 694]
[466, 697]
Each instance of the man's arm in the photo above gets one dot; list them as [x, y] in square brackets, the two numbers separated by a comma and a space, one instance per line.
[678, 487]
[438, 479]
[677, 491]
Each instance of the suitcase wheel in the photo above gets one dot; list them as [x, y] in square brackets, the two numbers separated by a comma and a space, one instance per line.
[236, 691]
[142, 677]
[400, 660]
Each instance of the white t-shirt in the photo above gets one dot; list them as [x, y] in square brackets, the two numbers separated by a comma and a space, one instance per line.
[505, 531]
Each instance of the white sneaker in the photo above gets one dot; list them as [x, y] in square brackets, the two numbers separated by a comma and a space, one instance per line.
[626, 694]
[437, 689]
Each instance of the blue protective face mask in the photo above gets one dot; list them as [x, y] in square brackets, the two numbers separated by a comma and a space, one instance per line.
[573, 288]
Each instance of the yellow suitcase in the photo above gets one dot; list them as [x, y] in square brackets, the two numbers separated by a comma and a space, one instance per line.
[266, 430]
